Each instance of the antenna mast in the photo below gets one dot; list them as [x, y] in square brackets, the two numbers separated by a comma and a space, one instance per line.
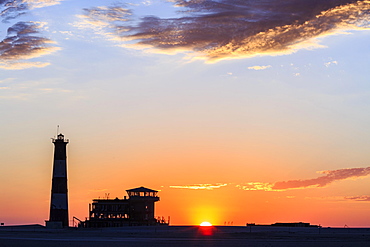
[57, 130]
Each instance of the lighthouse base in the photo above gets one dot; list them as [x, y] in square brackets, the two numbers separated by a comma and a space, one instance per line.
[54, 224]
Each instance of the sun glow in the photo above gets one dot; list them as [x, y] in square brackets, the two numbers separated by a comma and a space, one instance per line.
[205, 223]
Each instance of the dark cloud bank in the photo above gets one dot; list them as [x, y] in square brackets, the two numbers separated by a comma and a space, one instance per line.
[240, 28]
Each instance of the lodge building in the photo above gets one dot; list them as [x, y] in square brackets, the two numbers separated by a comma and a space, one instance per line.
[136, 210]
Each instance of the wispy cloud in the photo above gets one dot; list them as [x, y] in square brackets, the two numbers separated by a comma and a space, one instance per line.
[322, 181]
[42, 3]
[22, 65]
[331, 63]
[256, 186]
[227, 29]
[329, 177]
[147, 2]
[199, 186]
[30, 90]
[22, 43]
[106, 15]
[358, 198]
[24, 40]
[106, 20]
[11, 9]
[260, 67]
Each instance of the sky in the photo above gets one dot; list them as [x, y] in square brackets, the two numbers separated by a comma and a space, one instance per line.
[236, 111]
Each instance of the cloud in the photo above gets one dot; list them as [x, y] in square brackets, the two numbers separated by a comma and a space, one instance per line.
[23, 42]
[199, 186]
[329, 177]
[358, 198]
[22, 65]
[11, 9]
[330, 63]
[106, 15]
[256, 186]
[106, 20]
[42, 3]
[260, 67]
[147, 2]
[322, 181]
[229, 29]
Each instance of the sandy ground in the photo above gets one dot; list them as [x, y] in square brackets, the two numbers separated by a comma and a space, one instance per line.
[184, 236]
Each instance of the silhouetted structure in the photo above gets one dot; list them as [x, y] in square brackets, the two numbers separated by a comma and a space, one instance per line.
[286, 224]
[293, 224]
[59, 197]
[137, 210]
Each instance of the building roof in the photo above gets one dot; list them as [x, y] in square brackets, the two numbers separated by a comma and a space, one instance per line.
[141, 189]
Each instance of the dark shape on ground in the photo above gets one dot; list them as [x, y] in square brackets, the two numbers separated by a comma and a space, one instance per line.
[137, 210]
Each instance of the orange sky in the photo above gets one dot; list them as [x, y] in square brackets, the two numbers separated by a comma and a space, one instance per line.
[237, 194]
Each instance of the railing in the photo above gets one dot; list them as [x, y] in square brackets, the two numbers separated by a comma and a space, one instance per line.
[162, 220]
[56, 139]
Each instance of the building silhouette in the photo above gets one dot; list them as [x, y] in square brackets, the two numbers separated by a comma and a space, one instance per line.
[59, 192]
[136, 210]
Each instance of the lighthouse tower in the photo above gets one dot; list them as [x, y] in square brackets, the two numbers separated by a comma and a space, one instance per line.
[59, 197]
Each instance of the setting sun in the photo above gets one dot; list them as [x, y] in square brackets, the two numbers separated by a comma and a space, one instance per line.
[205, 223]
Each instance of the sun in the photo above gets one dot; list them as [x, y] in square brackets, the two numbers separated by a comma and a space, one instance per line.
[205, 223]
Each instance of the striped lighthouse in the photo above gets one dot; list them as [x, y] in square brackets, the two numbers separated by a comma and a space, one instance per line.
[59, 196]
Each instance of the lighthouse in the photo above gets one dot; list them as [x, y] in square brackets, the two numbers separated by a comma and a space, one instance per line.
[59, 191]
